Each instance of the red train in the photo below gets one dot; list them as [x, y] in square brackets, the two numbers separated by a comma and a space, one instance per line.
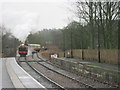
[23, 50]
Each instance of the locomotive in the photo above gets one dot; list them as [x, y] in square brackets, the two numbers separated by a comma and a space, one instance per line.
[23, 50]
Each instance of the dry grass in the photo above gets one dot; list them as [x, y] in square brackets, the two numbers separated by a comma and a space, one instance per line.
[107, 56]
[46, 54]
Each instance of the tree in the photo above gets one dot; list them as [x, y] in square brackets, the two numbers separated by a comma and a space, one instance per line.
[102, 14]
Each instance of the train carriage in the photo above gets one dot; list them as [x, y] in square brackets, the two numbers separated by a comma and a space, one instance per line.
[34, 47]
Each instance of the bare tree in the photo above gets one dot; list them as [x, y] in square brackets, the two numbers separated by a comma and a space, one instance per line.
[103, 14]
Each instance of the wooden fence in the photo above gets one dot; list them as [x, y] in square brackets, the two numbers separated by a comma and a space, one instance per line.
[106, 56]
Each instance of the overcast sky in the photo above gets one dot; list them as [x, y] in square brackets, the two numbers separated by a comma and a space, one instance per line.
[24, 16]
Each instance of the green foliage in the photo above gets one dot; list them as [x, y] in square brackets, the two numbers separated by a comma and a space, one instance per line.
[9, 44]
[46, 37]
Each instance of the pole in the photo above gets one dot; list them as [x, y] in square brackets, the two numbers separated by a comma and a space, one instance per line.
[98, 43]
[82, 46]
[82, 52]
[119, 39]
[64, 43]
[71, 45]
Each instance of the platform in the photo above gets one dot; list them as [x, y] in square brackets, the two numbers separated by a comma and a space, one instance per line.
[115, 68]
[13, 76]
[5, 80]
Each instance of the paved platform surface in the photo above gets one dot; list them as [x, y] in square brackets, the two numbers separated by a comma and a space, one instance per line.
[94, 64]
[5, 81]
[13, 76]
[26, 80]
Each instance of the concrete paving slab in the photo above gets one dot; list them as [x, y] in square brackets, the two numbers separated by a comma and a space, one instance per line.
[6, 81]
[16, 82]
[24, 77]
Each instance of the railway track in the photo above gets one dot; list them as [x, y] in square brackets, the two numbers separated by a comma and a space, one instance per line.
[82, 83]
[59, 79]
[64, 78]
[49, 83]
[93, 82]
[55, 84]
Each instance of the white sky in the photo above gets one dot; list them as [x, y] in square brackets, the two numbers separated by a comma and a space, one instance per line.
[24, 16]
